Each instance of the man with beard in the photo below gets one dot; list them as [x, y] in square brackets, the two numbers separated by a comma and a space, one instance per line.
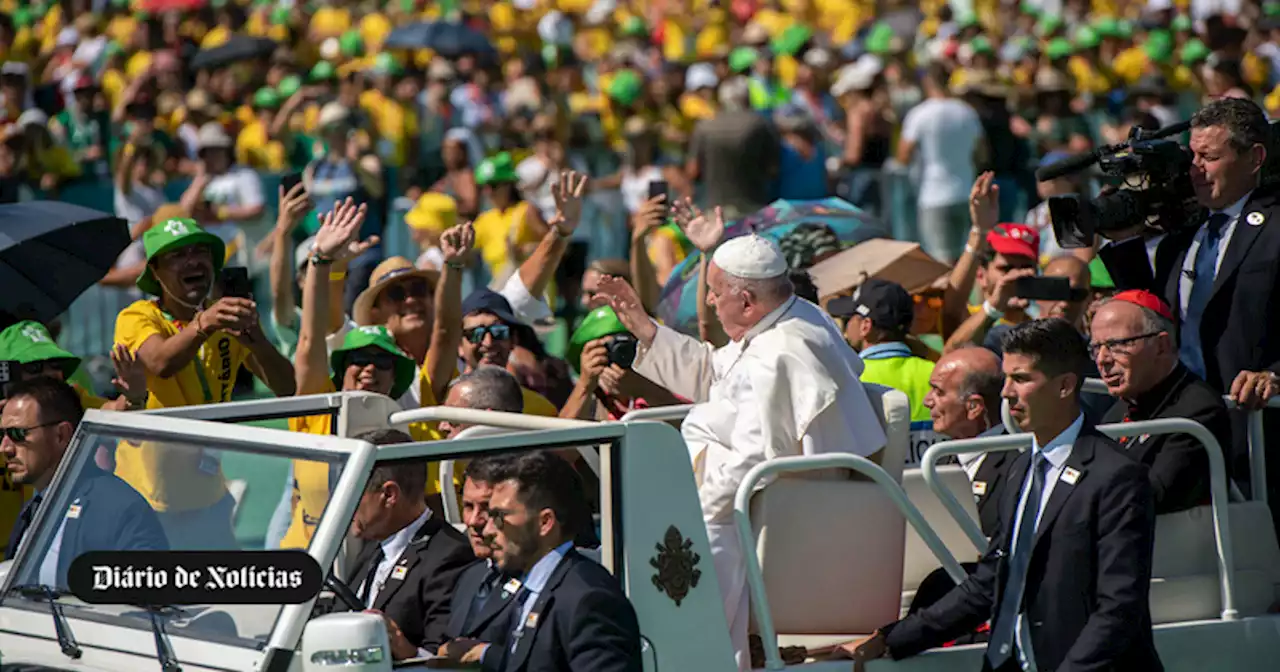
[569, 613]
[192, 346]
[368, 359]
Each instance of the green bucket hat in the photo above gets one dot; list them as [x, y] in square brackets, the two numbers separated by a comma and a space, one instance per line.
[880, 39]
[21, 17]
[598, 323]
[378, 337]
[1194, 51]
[323, 72]
[742, 58]
[634, 26]
[1181, 23]
[266, 98]
[789, 41]
[1099, 277]
[351, 44]
[1058, 48]
[280, 16]
[1159, 46]
[1107, 26]
[626, 87]
[981, 45]
[386, 64]
[289, 86]
[29, 342]
[496, 169]
[1048, 25]
[171, 235]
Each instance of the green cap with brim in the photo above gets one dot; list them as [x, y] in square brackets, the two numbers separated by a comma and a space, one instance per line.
[742, 58]
[266, 98]
[634, 26]
[377, 337]
[323, 72]
[1194, 51]
[496, 169]
[1107, 26]
[1087, 38]
[625, 88]
[1181, 23]
[1099, 277]
[289, 85]
[1048, 25]
[386, 64]
[1058, 48]
[789, 41]
[598, 323]
[880, 41]
[29, 342]
[280, 16]
[981, 45]
[171, 235]
[351, 44]
[1158, 47]
[1029, 8]
[21, 17]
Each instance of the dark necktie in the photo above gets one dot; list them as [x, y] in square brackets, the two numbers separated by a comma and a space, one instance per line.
[366, 586]
[487, 586]
[1001, 645]
[517, 610]
[25, 517]
[1206, 270]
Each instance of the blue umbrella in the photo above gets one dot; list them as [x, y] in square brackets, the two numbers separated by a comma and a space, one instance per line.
[678, 303]
[449, 39]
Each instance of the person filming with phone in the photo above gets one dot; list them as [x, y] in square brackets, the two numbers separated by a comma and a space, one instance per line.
[602, 351]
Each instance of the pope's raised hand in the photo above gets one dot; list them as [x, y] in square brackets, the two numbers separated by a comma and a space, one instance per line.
[456, 242]
[704, 232]
[626, 303]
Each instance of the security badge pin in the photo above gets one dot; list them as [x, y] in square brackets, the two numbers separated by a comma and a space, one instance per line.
[1255, 218]
[510, 588]
[399, 573]
[531, 621]
[979, 488]
[73, 511]
[1070, 476]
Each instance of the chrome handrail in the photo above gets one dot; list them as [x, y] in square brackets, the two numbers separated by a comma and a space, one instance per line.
[1218, 488]
[663, 413]
[781, 465]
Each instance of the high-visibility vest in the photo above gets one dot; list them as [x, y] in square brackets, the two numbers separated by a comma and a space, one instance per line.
[893, 365]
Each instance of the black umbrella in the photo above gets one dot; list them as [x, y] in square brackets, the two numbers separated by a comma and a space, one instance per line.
[449, 39]
[238, 48]
[51, 252]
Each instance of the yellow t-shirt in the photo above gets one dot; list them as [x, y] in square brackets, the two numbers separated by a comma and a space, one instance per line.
[177, 480]
[311, 478]
[394, 123]
[216, 37]
[87, 400]
[374, 29]
[494, 228]
[137, 64]
[330, 21]
[255, 150]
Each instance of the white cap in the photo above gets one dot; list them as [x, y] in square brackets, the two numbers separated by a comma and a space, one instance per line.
[213, 136]
[333, 113]
[33, 117]
[751, 257]
[303, 251]
[330, 49]
[817, 57]
[555, 28]
[857, 76]
[700, 76]
[1159, 5]
[67, 37]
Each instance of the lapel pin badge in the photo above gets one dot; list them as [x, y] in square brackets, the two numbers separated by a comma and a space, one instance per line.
[979, 488]
[73, 511]
[1070, 476]
[399, 573]
[510, 589]
[1255, 218]
[532, 621]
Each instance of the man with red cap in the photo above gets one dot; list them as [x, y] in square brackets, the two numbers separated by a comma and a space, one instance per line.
[1134, 344]
[1008, 252]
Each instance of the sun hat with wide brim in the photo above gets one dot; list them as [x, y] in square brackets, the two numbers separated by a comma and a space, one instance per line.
[29, 342]
[172, 234]
[377, 337]
[598, 323]
[433, 212]
[389, 271]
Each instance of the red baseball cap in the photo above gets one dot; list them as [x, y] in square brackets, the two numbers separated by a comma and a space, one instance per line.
[1015, 240]
[1141, 297]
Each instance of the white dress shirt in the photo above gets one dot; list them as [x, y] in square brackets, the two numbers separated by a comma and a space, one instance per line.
[1187, 277]
[1056, 452]
[392, 548]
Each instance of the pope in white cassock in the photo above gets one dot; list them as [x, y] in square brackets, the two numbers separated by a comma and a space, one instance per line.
[786, 384]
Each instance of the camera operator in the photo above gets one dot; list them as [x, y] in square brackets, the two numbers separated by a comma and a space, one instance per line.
[603, 351]
[1219, 276]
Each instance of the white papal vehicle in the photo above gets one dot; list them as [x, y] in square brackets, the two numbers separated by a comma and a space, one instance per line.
[832, 557]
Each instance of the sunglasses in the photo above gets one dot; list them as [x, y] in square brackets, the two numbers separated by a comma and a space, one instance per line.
[19, 434]
[383, 361]
[401, 291]
[500, 332]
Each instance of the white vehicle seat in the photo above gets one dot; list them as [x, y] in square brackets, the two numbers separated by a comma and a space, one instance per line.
[918, 561]
[1184, 583]
[830, 550]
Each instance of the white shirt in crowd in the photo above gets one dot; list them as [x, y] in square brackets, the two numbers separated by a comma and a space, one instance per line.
[239, 187]
[946, 132]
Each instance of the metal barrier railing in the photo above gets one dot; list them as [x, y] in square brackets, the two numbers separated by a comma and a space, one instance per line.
[1218, 492]
[1256, 436]
[451, 513]
[785, 465]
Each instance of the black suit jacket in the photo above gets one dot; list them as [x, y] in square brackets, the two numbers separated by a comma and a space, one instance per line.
[479, 623]
[419, 602]
[580, 621]
[1238, 331]
[1087, 589]
[1179, 464]
[990, 482]
[106, 514]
